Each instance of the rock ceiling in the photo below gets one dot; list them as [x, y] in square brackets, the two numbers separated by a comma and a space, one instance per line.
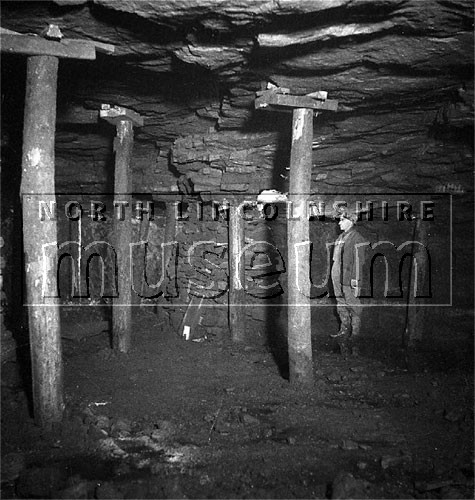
[402, 71]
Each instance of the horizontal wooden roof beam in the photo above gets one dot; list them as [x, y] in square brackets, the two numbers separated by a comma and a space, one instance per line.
[115, 114]
[34, 45]
[273, 100]
[30, 45]
[105, 48]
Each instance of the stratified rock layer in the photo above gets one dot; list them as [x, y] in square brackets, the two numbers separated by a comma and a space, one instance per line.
[402, 72]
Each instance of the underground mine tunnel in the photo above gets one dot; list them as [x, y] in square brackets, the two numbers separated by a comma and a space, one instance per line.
[237, 249]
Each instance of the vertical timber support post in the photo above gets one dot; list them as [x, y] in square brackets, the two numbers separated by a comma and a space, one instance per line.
[124, 121]
[39, 207]
[299, 315]
[122, 230]
[237, 314]
[38, 185]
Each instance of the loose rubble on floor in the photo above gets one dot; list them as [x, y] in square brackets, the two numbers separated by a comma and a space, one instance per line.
[177, 419]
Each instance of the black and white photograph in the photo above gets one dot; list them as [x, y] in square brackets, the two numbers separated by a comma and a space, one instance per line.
[237, 249]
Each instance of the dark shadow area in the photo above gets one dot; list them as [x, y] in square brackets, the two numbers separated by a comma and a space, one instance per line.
[277, 338]
[14, 312]
[276, 309]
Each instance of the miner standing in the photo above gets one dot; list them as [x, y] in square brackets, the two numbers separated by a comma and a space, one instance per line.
[347, 273]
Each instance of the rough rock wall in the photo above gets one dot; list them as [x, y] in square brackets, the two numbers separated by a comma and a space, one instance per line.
[401, 70]
[197, 270]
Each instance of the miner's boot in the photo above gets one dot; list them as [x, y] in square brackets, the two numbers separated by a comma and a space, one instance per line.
[345, 326]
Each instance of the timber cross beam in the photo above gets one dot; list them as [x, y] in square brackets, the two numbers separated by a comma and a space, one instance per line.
[115, 114]
[67, 48]
[124, 120]
[279, 99]
[38, 182]
[298, 227]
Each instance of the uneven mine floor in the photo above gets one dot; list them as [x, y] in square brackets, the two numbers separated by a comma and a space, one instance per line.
[184, 419]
